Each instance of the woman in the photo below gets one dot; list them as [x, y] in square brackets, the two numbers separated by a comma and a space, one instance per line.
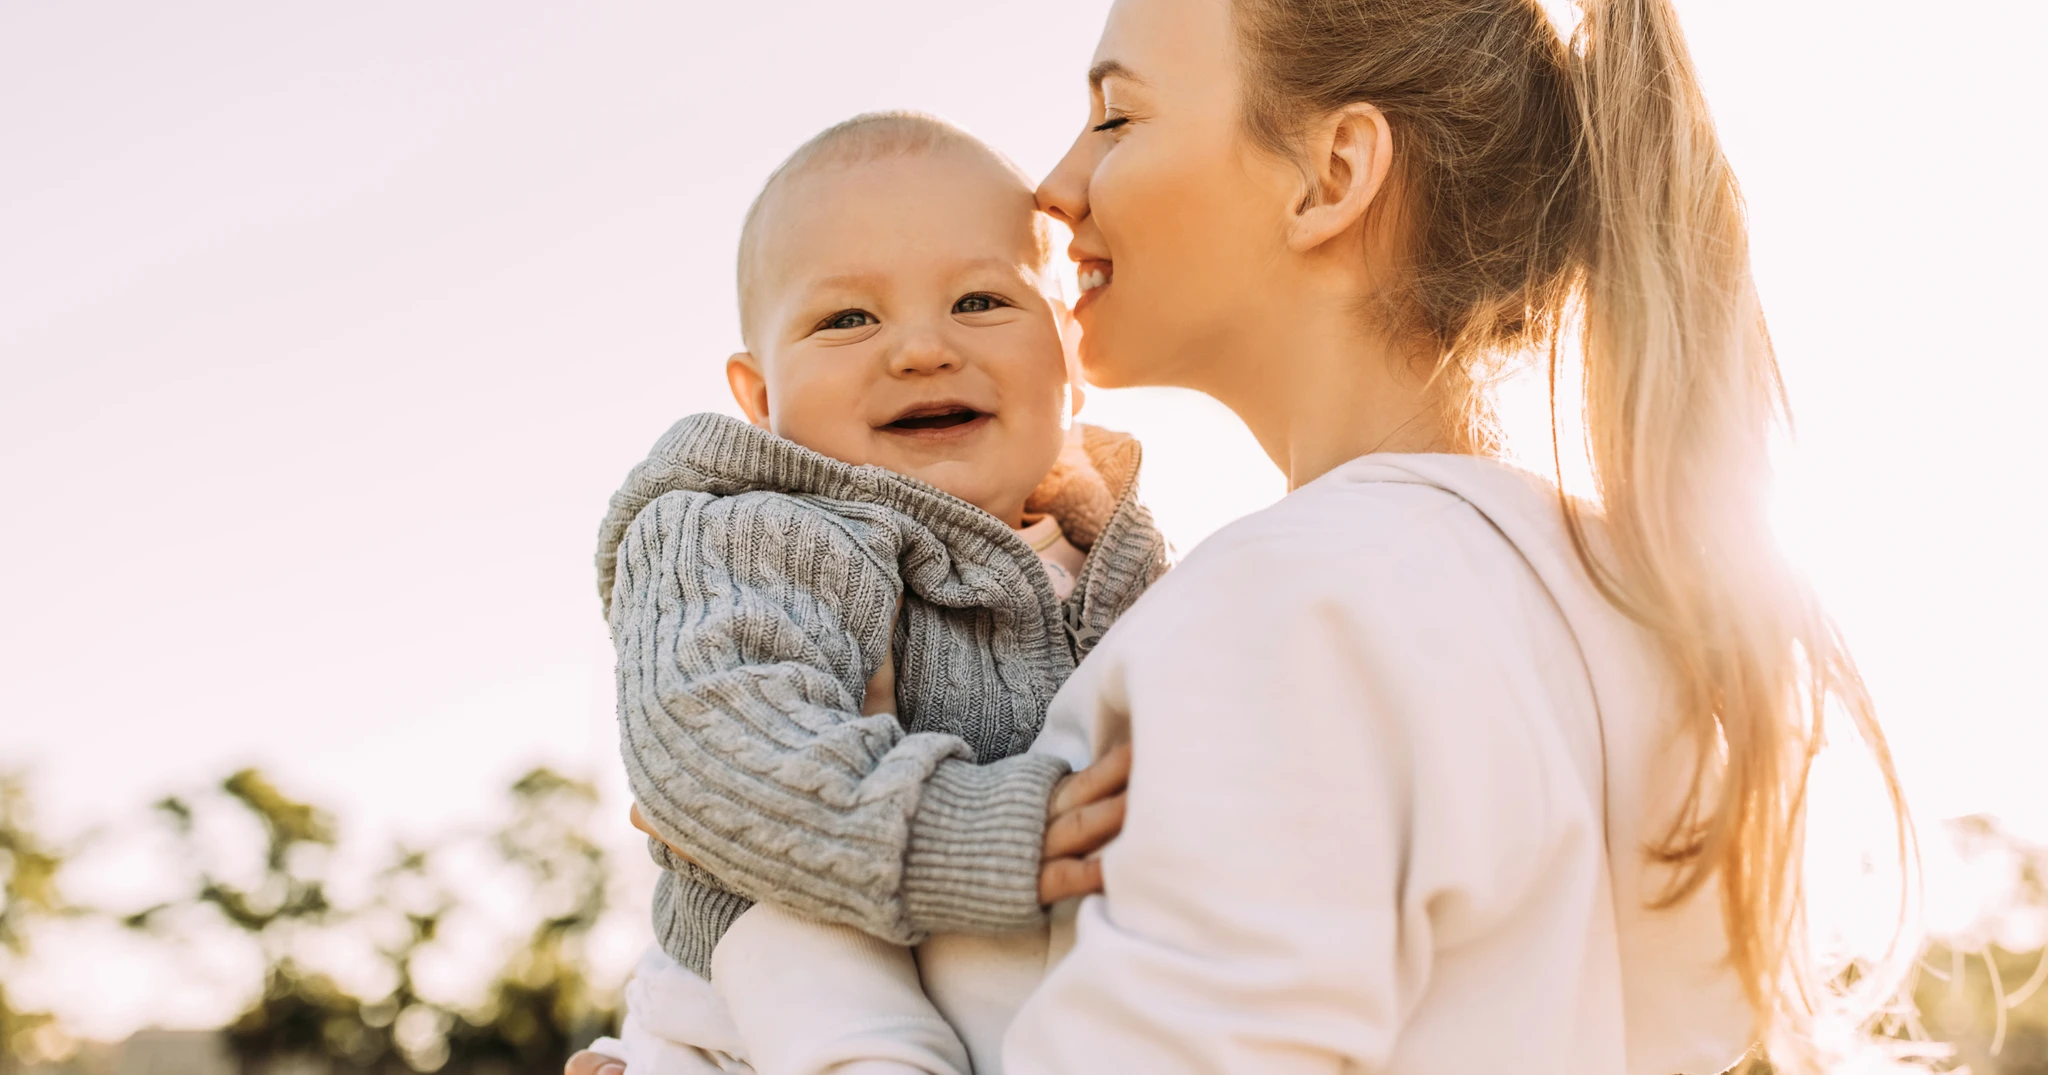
[1437, 771]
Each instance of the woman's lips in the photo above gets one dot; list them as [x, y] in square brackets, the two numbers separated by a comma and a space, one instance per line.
[1094, 275]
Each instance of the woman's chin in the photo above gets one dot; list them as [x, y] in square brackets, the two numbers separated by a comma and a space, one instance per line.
[1100, 366]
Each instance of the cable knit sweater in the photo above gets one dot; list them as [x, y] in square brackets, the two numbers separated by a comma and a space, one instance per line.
[751, 586]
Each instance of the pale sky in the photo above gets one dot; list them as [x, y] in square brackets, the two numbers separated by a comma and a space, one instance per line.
[326, 331]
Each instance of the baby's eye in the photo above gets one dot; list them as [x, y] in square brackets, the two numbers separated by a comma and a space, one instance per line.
[978, 304]
[847, 319]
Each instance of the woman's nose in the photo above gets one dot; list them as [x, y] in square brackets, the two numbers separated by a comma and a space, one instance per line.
[1064, 193]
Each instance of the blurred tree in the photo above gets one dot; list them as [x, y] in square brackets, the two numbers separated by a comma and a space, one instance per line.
[542, 1004]
[298, 1013]
[29, 894]
[1977, 1006]
[1989, 1001]
[539, 1006]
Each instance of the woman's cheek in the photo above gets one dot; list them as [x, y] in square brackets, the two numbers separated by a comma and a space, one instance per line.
[1138, 204]
[1106, 204]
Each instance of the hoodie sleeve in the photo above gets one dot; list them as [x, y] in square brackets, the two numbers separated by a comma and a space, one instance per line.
[746, 629]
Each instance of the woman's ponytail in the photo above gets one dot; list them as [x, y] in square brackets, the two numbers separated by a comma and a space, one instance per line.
[1682, 397]
[1548, 185]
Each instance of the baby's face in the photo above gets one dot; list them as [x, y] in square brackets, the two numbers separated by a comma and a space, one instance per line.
[899, 317]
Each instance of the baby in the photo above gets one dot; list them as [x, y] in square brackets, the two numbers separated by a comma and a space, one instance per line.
[838, 625]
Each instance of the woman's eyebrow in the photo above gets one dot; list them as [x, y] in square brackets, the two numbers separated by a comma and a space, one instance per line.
[1110, 69]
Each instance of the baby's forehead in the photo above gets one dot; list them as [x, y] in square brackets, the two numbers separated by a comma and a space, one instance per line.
[937, 204]
[929, 194]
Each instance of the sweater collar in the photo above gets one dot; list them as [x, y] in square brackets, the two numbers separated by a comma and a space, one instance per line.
[1096, 473]
[1092, 490]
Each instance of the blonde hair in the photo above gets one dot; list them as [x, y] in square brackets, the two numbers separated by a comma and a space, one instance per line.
[863, 139]
[1543, 185]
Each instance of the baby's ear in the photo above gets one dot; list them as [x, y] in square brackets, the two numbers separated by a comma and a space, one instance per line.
[1070, 343]
[749, 386]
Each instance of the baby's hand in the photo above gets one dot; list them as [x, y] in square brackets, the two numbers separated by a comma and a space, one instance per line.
[881, 696]
[1086, 812]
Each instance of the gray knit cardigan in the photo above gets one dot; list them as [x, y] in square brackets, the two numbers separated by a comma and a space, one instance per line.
[751, 586]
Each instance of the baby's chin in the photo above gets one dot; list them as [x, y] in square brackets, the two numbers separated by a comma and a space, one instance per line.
[972, 482]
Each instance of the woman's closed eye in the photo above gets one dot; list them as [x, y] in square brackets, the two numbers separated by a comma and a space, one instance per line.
[1110, 124]
[846, 320]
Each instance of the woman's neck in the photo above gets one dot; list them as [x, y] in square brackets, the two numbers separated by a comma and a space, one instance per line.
[1323, 392]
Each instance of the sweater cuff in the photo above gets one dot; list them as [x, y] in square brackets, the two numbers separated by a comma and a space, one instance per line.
[975, 845]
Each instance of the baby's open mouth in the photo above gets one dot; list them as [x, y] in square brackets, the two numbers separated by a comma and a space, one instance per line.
[939, 416]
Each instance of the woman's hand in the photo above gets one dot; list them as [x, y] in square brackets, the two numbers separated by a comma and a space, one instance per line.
[589, 1063]
[1086, 812]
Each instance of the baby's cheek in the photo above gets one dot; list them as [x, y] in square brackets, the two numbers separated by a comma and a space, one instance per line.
[1038, 445]
[817, 424]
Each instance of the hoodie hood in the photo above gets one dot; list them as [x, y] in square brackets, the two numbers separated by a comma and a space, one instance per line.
[1674, 960]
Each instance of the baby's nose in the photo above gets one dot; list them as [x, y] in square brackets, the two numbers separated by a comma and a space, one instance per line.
[927, 354]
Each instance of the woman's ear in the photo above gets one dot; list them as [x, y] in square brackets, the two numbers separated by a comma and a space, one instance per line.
[1351, 154]
[749, 386]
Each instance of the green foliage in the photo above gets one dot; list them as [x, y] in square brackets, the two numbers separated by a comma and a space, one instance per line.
[29, 863]
[29, 894]
[1976, 1006]
[539, 1006]
[542, 1004]
[289, 893]
[21, 1033]
[306, 1015]
[1992, 1003]
[258, 861]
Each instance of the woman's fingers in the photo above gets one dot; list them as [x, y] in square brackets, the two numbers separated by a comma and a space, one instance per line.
[1086, 812]
[1084, 830]
[1106, 777]
[589, 1063]
[1064, 879]
[640, 822]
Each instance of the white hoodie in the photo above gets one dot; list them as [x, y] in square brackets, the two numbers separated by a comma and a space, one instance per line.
[1397, 762]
